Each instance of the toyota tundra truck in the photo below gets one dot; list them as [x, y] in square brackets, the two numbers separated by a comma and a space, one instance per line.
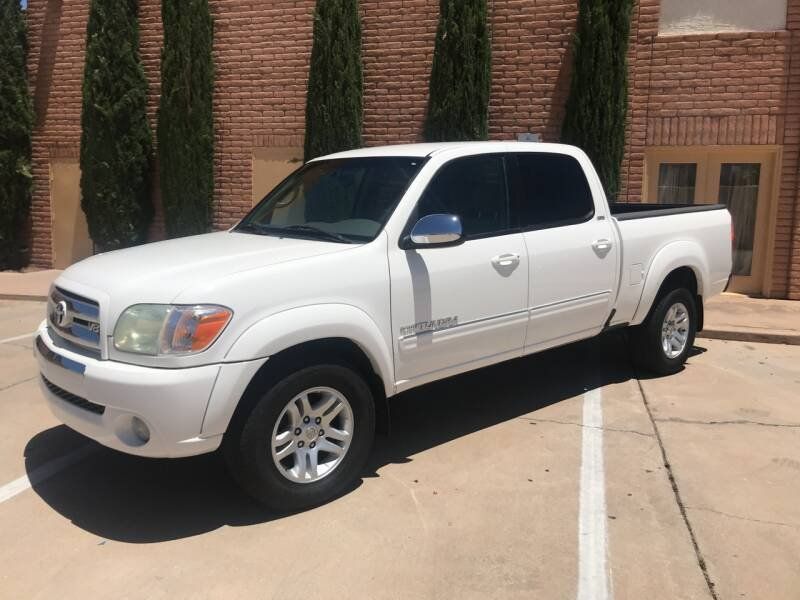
[364, 274]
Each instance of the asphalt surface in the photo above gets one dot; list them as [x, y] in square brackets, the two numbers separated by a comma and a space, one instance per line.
[501, 483]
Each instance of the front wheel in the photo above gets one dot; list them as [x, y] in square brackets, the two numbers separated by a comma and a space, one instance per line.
[662, 343]
[306, 440]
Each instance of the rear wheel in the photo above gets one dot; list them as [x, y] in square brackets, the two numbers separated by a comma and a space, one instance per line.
[306, 440]
[662, 343]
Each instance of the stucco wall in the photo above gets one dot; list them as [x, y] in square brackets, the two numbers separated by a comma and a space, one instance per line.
[709, 16]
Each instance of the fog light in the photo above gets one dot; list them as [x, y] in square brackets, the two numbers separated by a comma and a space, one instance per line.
[140, 429]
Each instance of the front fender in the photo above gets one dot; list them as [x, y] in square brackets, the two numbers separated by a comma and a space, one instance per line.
[672, 256]
[320, 321]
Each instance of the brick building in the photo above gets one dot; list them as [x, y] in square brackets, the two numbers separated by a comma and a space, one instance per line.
[714, 105]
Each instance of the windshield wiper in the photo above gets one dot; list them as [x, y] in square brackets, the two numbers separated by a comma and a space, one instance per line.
[316, 231]
[303, 230]
[257, 228]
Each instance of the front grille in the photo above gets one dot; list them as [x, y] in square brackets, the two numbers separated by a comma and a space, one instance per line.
[74, 318]
[73, 399]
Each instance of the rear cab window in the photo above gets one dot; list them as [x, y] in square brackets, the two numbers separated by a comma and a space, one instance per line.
[549, 190]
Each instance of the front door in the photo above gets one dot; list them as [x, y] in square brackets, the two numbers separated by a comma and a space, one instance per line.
[460, 307]
[740, 178]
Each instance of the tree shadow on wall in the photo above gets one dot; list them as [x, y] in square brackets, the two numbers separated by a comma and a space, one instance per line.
[49, 42]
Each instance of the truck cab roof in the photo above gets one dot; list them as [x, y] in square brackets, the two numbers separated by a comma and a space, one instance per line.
[431, 148]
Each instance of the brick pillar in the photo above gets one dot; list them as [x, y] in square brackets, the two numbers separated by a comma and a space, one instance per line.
[786, 269]
[57, 41]
[644, 29]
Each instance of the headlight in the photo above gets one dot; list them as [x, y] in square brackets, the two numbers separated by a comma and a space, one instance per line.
[166, 329]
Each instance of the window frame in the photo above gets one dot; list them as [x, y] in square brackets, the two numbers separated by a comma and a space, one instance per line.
[519, 195]
[405, 242]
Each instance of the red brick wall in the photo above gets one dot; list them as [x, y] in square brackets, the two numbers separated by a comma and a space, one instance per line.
[787, 250]
[684, 90]
[57, 40]
[55, 65]
[531, 66]
[398, 38]
[261, 53]
[726, 89]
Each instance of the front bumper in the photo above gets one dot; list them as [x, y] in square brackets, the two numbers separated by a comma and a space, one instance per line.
[100, 398]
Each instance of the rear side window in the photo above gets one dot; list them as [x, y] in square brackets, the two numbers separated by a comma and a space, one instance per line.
[551, 190]
[474, 188]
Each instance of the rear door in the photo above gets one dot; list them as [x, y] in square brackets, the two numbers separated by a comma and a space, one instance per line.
[572, 253]
[460, 307]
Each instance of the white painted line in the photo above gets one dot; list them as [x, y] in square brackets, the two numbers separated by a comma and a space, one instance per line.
[19, 337]
[593, 577]
[45, 471]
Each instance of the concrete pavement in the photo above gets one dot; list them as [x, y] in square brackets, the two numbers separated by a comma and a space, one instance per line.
[28, 285]
[745, 319]
[476, 494]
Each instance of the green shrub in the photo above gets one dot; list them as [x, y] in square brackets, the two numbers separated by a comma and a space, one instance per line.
[16, 123]
[334, 105]
[185, 117]
[598, 101]
[460, 84]
[116, 144]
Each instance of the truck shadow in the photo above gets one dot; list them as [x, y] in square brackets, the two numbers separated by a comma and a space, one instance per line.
[128, 499]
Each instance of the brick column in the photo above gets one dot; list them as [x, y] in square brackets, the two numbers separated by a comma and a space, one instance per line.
[786, 270]
[644, 29]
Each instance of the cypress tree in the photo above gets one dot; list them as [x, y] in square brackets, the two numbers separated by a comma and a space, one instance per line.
[334, 105]
[598, 101]
[116, 143]
[460, 83]
[185, 117]
[16, 123]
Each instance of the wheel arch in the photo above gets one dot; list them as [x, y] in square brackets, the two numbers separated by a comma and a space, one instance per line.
[681, 264]
[320, 334]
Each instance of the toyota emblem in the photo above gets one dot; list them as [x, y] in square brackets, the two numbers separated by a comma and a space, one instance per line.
[60, 314]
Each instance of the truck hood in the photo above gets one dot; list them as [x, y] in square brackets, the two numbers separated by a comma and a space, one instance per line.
[158, 272]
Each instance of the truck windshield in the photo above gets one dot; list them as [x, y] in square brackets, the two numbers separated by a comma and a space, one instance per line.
[344, 200]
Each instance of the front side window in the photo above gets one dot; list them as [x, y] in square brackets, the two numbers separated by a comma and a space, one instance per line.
[344, 200]
[474, 188]
[553, 191]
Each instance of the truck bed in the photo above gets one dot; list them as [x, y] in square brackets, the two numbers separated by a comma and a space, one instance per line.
[625, 211]
[656, 238]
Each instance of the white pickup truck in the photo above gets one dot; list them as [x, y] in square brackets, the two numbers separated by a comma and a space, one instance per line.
[364, 274]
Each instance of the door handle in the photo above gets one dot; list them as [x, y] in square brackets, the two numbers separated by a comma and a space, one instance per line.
[506, 260]
[603, 245]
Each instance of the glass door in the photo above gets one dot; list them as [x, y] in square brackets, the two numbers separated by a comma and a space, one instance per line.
[741, 179]
[743, 183]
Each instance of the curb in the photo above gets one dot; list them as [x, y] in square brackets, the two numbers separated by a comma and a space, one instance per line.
[31, 297]
[763, 337]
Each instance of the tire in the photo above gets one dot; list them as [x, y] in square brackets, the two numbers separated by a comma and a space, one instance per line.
[295, 483]
[648, 341]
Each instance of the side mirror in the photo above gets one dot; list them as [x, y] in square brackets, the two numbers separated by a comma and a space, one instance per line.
[437, 230]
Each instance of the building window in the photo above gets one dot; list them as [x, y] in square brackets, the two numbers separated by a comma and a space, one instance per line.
[682, 17]
[738, 190]
[676, 183]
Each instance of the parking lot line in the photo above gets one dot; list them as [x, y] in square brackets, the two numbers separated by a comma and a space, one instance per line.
[43, 472]
[592, 535]
[17, 338]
